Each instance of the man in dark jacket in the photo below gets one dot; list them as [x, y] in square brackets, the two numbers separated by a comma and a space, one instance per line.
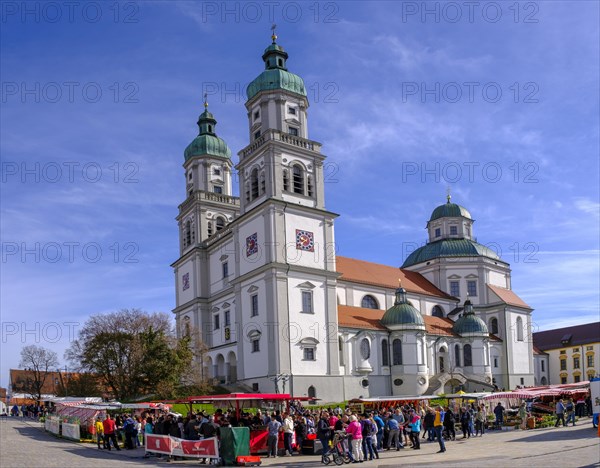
[191, 428]
[449, 421]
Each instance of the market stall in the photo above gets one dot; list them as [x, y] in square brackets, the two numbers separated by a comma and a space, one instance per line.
[360, 405]
[238, 403]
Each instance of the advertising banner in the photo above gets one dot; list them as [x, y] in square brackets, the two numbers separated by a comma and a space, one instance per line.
[595, 391]
[52, 425]
[167, 445]
[70, 431]
[158, 444]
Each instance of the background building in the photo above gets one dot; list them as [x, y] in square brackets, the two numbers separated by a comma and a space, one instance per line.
[573, 352]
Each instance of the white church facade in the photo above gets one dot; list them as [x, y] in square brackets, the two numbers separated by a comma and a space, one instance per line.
[258, 276]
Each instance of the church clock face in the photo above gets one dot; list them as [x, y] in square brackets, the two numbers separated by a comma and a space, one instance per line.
[251, 244]
[305, 240]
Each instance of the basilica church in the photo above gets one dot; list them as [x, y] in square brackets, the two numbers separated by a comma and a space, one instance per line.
[259, 280]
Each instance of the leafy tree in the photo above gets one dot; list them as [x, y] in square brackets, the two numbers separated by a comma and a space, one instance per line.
[83, 384]
[39, 361]
[133, 352]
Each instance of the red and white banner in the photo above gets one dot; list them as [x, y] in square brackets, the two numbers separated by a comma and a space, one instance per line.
[158, 443]
[167, 445]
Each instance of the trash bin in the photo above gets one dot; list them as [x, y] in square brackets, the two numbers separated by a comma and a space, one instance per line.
[235, 441]
[531, 423]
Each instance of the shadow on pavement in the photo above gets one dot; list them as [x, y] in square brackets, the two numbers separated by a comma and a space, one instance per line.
[560, 433]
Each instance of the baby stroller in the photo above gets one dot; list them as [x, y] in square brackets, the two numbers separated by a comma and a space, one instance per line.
[338, 453]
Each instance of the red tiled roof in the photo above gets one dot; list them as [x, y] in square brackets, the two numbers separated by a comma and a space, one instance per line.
[375, 274]
[576, 335]
[508, 296]
[358, 317]
[438, 326]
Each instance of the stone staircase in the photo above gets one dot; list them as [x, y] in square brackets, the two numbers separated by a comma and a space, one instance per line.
[439, 381]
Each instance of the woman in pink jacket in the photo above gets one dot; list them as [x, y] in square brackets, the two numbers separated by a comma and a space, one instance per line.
[355, 430]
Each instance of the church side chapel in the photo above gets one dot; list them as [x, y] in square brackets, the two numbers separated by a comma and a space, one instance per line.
[258, 278]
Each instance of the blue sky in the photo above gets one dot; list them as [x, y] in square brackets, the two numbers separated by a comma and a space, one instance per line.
[98, 103]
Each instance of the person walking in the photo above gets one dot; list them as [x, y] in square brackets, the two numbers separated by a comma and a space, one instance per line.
[499, 413]
[273, 429]
[100, 433]
[300, 430]
[523, 415]
[110, 429]
[560, 413]
[570, 408]
[380, 429]
[449, 421]
[438, 425]
[354, 429]
[288, 433]
[415, 429]
[465, 417]
[324, 431]
[479, 421]
[393, 433]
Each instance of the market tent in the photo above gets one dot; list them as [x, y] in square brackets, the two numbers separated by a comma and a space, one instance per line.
[467, 396]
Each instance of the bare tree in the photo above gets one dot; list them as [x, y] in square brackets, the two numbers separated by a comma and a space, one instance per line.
[39, 361]
[196, 379]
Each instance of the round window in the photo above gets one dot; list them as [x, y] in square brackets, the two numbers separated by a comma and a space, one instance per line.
[365, 349]
[398, 382]
[365, 383]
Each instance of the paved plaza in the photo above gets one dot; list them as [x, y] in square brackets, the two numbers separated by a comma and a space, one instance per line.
[25, 444]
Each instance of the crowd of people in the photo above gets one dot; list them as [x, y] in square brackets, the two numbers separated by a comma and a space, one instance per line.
[356, 436]
[570, 409]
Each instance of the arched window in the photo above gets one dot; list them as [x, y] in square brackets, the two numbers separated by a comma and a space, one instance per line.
[188, 233]
[397, 352]
[262, 183]
[369, 302]
[220, 223]
[365, 349]
[457, 355]
[254, 184]
[312, 392]
[494, 326]
[385, 353]
[468, 357]
[286, 180]
[437, 311]
[341, 350]
[298, 180]
[519, 329]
